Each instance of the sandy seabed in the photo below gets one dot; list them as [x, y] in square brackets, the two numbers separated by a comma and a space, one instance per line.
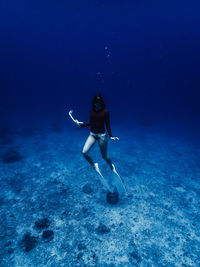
[54, 210]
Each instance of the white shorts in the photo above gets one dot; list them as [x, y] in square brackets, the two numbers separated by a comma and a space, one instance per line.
[100, 135]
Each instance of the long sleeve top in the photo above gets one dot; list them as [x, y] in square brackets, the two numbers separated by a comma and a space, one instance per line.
[97, 121]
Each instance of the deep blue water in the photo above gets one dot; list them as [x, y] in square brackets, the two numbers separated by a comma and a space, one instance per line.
[143, 57]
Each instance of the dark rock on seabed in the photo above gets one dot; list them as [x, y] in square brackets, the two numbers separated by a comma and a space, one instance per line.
[102, 229]
[28, 242]
[42, 223]
[11, 156]
[48, 235]
[87, 189]
[112, 197]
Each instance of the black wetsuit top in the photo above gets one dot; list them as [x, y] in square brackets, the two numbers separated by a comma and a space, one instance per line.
[97, 120]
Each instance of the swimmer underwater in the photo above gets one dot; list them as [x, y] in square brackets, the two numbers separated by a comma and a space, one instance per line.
[99, 116]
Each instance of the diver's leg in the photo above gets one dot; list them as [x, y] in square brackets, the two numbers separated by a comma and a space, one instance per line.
[103, 148]
[118, 183]
[88, 145]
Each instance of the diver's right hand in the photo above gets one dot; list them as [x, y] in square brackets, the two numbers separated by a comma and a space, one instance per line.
[78, 123]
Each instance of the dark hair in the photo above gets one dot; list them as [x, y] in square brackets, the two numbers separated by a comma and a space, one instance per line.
[98, 99]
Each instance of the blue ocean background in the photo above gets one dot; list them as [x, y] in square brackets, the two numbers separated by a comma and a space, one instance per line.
[143, 57]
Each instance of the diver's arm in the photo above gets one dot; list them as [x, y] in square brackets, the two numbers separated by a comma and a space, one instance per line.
[76, 121]
[108, 123]
[83, 124]
[108, 127]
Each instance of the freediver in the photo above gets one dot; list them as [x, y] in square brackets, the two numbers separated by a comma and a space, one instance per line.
[99, 116]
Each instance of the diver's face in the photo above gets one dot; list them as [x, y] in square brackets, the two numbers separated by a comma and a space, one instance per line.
[97, 106]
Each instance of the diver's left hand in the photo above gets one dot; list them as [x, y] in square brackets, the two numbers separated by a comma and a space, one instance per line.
[114, 138]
